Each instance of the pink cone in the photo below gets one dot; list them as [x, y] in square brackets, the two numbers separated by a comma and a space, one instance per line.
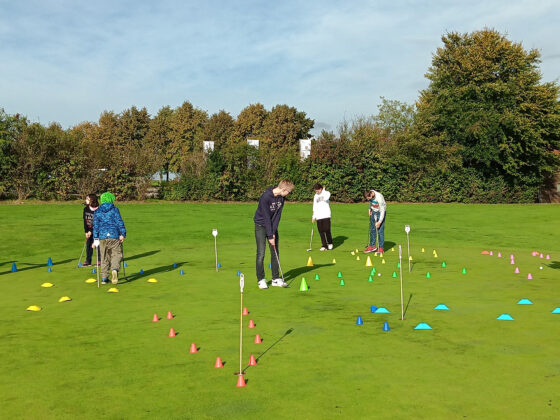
[491, 253]
[516, 270]
[512, 262]
[499, 255]
[534, 253]
[542, 256]
[548, 256]
[529, 276]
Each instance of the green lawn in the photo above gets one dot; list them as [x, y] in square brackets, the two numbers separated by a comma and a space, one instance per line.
[101, 356]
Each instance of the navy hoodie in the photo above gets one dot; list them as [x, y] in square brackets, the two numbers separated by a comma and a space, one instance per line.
[269, 212]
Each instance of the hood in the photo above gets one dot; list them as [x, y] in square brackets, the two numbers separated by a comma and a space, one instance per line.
[106, 207]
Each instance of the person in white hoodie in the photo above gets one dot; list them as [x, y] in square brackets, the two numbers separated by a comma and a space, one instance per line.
[322, 214]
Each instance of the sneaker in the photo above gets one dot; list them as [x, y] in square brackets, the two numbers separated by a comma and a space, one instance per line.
[263, 284]
[115, 278]
[370, 249]
[279, 283]
[86, 264]
[98, 263]
[330, 246]
[380, 250]
[323, 248]
[104, 281]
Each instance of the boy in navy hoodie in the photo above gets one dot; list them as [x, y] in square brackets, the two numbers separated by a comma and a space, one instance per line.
[109, 233]
[267, 218]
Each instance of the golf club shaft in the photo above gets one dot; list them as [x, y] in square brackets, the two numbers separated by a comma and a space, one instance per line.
[97, 266]
[408, 252]
[402, 300]
[82, 253]
[311, 240]
[241, 336]
[216, 252]
[278, 260]
[123, 262]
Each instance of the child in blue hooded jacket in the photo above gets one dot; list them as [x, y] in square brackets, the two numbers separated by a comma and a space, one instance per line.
[109, 233]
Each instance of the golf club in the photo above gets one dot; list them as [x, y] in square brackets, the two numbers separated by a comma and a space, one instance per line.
[97, 266]
[311, 240]
[400, 269]
[376, 234]
[407, 230]
[215, 234]
[82, 253]
[123, 263]
[241, 286]
[278, 260]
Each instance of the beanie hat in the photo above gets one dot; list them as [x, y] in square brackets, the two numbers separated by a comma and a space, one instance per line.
[107, 197]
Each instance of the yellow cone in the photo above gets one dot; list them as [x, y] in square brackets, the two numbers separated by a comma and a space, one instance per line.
[423, 250]
[410, 258]
[368, 262]
[357, 250]
[47, 285]
[435, 255]
[64, 299]
[113, 290]
[334, 260]
[434, 252]
[91, 281]
[383, 261]
[381, 255]
[353, 253]
[358, 258]
[152, 281]
[393, 249]
[310, 262]
[33, 308]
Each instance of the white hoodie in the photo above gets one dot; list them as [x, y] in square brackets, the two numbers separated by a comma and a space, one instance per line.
[321, 207]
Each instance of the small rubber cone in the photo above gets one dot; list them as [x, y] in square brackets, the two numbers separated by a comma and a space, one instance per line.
[252, 361]
[169, 315]
[443, 264]
[93, 271]
[541, 256]
[464, 271]
[434, 252]
[357, 250]
[393, 249]
[370, 279]
[218, 364]
[245, 311]
[79, 265]
[512, 262]
[529, 276]
[334, 260]
[303, 286]
[548, 256]
[386, 326]
[258, 339]
[251, 324]
[398, 265]
[359, 321]
[423, 250]
[428, 275]
[381, 255]
[435, 255]
[174, 265]
[316, 276]
[358, 258]
[219, 265]
[383, 261]
[368, 262]
[141, 271]
[352, 253]
[49, 270]
[238, 273]
[372, 272]
[394, 274]
[373, 308]
[125, 264]
[240, 382]
[491, 253]
[499, 255]
[172, 333]
[49, 262]
[410, 258]
[182, 272]
[339, 275]
[309, 262]
[193, 348]
[342, 282]
[155, 318]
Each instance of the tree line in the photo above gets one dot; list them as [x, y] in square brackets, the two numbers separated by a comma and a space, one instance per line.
[484, 130]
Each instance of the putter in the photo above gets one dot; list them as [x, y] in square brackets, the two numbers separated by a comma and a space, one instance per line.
[97, 266]
[241, 286]
[376, 235]
[215, 234]
[80, 259]
[123, 267]
[311, 240]
[279, 266]
[400, 268]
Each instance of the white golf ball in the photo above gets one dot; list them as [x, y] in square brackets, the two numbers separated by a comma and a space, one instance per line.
[540, 267]
[378, 274]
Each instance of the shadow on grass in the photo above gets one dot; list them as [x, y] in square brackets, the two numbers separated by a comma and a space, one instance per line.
[144, 254]
[292, 274]
[554, 265]
[408, 303]
[149, 273]
[338, 241]
[269, 347]
[32, 266]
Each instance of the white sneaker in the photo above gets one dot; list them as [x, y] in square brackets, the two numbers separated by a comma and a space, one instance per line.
[263, 284]
[323, 248]
[279, 283]
[330, 246]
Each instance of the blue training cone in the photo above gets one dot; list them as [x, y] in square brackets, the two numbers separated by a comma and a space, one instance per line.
[141, 271]
[373, 309]
[49, 262]
[441, 307]
[556, 310]
[386, 326]
[422, 326]
[238, 273]
[49, 270]
[524, 302]
[182, 272]
[94, 271]
[505, 317]
[79, 265]
[14, 268]
[125, 264]
[174, 265]
[219, 265]
[269, 265]
[359, 321]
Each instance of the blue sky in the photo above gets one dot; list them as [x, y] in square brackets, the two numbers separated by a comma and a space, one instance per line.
[67, 61]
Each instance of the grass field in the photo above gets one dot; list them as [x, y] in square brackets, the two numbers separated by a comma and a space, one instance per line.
[101, 356]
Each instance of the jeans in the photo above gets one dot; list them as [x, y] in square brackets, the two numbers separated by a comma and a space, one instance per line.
[373, 230]
[261, 239]
[324, 228]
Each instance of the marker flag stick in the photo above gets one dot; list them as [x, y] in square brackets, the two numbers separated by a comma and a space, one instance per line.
[400, 269]
[241, 286]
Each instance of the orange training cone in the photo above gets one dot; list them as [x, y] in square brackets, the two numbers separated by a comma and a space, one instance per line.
[252, 361]
[155, 318]
[251, 324]
[219, 363]
[258, 339]
[245, 311]
[171, 332]
[240, 381]
[193, 348]
[169, 315]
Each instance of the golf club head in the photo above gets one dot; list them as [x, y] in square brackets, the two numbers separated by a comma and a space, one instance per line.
[214, 232]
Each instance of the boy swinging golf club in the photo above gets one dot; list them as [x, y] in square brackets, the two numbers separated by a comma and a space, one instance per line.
[267, 218]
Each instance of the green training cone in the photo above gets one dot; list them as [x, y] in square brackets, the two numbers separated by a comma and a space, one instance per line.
[370, 279]
[342, 282]
[398, 265]
[394, 274]
[339, 275]
[303, 286]
[443, 264]
[428, 275]
[316, 276]
[464, 270]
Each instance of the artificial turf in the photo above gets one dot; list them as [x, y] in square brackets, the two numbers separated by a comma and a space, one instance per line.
[101, 356]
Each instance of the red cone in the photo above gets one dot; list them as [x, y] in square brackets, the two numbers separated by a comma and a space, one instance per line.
[193, 348]
[219, 363]
[258, 339]
[245, 311]
[169, 315]
[251, 324]
[252, 361]
[155, 318]
[240, 381]
[171, 332]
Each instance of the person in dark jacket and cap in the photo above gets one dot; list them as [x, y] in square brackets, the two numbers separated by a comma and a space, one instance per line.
[108, 234]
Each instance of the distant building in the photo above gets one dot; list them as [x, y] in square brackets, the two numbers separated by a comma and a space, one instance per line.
[253, 142]
[304, 148]
[208, 146]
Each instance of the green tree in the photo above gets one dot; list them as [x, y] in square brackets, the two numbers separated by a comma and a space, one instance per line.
[11, 127]
[249, 122]
[219, 128]
[285, 125]
[486, 96]
[158, 139]
[186, 126]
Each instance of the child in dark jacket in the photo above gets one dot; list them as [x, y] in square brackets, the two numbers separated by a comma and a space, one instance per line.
[109, 233]
[91, 205]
